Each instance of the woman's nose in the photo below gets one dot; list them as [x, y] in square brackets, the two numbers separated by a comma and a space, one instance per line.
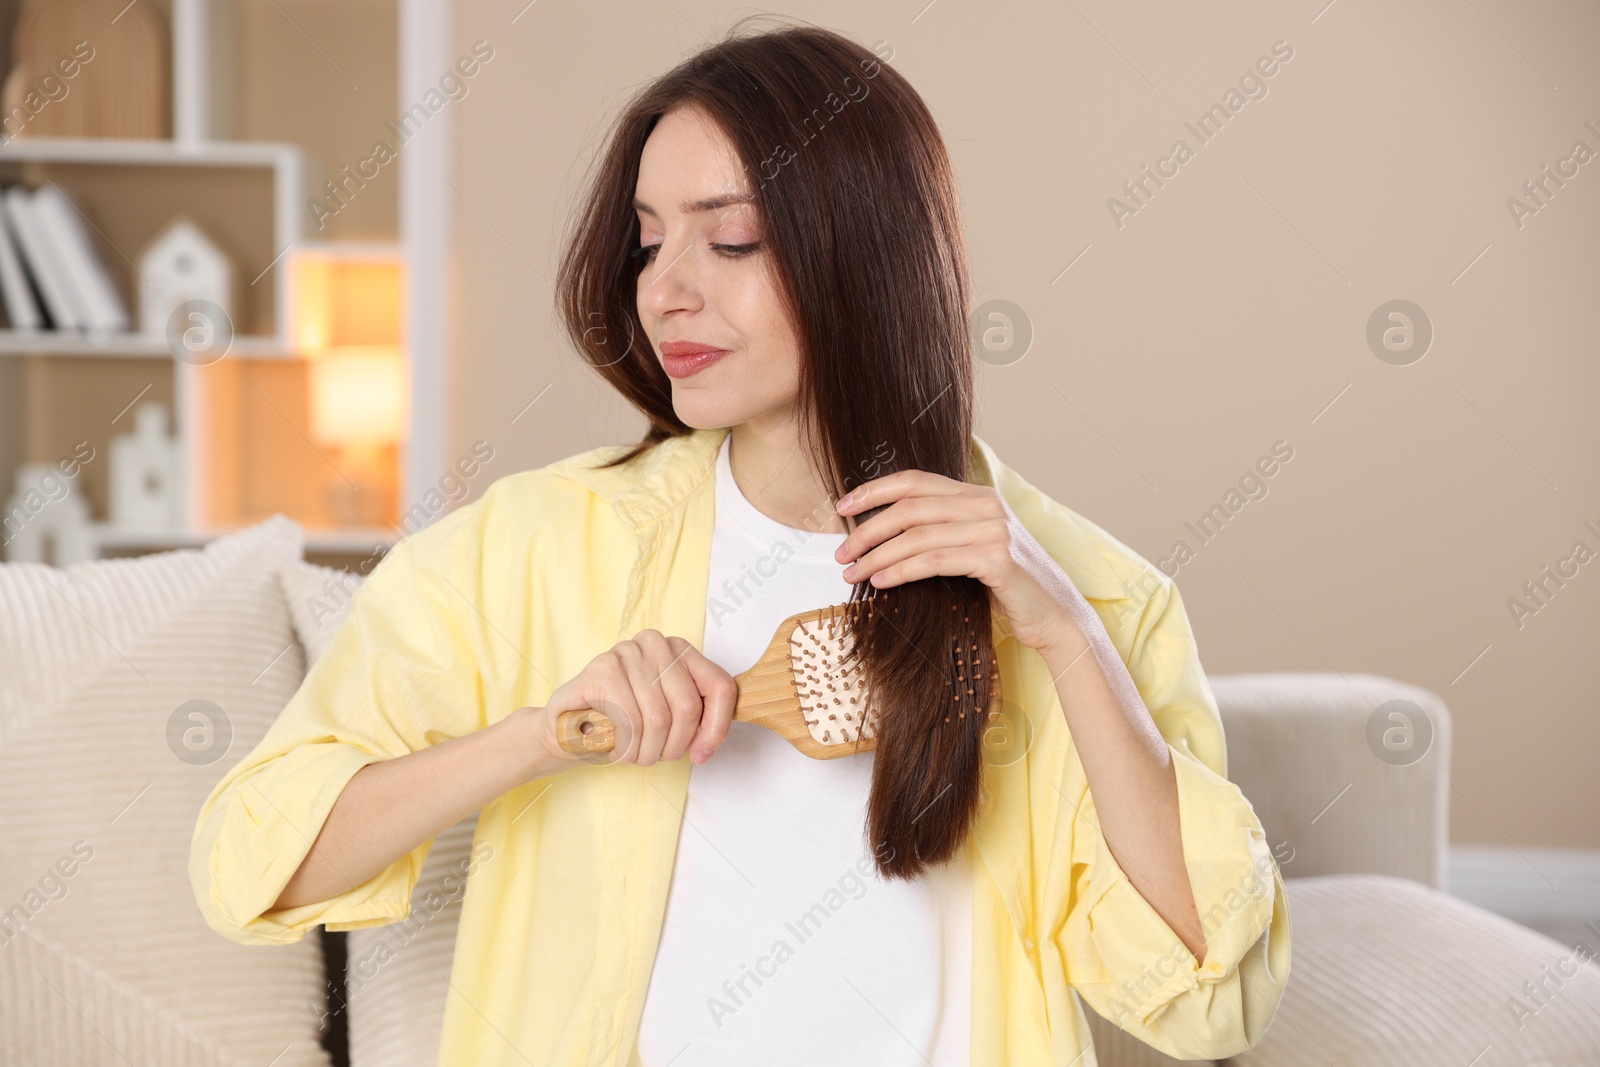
[671, 280]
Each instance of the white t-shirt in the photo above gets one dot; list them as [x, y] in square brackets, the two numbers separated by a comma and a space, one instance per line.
[781, 944]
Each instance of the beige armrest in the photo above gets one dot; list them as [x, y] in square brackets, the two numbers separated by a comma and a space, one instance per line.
[1298, 748]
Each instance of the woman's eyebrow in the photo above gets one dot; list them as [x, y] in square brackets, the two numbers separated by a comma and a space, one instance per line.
[696, 207]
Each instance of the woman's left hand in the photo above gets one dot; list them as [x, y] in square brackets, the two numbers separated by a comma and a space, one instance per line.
[937, 525]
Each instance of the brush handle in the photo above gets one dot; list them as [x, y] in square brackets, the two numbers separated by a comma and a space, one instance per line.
[584, 730]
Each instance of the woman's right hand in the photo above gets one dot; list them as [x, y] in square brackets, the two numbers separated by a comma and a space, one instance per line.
[663, 696]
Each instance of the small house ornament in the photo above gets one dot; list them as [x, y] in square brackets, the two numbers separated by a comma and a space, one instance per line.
[181, 265]
[45, 520]
[145, 468]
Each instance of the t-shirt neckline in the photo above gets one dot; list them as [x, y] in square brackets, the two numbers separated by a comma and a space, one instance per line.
[752, 521]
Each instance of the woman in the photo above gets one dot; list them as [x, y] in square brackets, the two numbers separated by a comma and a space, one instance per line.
[770, 266]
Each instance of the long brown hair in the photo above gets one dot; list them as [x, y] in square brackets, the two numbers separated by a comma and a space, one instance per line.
[863, 222]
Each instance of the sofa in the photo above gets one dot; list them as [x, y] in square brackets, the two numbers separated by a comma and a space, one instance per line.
[128, 687]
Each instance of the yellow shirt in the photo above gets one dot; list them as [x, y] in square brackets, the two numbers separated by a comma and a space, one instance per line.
[496, 604]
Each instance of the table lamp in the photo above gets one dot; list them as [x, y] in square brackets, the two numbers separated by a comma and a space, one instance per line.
[359, 399]
[347, 315]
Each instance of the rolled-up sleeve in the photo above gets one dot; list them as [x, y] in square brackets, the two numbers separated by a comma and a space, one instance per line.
[1121, 956]
[399, 675]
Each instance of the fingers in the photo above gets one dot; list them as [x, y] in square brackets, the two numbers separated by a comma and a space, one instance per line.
[904, 483]
[628, 658]
[924, 551]
[662, 694]
[965, 503]
[900, 517]
[720, 694]
[668, 699]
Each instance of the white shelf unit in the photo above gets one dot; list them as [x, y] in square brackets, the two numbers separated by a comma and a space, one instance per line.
[339, 541]
[142, 346]
[287, 166]
[25, 158]
[203, 39]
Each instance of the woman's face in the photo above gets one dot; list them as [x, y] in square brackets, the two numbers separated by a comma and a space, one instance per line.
[706, 280]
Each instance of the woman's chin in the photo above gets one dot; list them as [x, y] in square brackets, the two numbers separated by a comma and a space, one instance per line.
[704, 413]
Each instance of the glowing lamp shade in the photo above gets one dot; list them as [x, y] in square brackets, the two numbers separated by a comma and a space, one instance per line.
[359, 396]
[342, 302]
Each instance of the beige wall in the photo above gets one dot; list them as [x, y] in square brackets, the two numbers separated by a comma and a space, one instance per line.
[323, 76]
[1226, 315]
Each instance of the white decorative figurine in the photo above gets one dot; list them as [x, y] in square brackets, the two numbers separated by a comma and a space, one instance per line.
[181, 265]
[145, 468]
[44, 509]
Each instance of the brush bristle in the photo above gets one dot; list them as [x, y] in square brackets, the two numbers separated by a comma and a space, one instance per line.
[828, 681]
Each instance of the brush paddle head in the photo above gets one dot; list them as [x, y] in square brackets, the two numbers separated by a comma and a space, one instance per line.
[829, 684]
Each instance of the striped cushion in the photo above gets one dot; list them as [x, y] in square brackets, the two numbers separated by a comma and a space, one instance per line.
[104, 956]
[397, 976]
[1389, 971]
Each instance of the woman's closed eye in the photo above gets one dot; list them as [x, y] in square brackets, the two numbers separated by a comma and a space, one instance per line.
[647, 253]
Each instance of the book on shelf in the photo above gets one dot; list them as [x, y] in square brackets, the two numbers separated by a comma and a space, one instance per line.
[22, 306]
[57, 261]
[64, 225]
[39, 259]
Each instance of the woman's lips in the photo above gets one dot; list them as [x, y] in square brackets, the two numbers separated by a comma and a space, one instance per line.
[685, 364]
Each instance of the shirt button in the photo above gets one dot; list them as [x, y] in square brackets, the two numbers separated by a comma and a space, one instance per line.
[1027, 943]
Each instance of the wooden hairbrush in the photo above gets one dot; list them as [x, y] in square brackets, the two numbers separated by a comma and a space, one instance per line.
[802, 688]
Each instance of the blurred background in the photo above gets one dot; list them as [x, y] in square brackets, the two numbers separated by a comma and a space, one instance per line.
[1296, 300]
